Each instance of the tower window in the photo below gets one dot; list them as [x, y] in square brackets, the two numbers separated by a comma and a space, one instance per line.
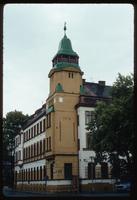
[70, 75]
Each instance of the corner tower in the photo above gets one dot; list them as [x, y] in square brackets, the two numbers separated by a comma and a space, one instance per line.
[61, 136]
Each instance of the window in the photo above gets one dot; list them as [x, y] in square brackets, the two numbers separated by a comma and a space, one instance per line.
[49, 143]
[31, 174]
[60, 99]
[31, 152]
[26, 174]
[26, 135]
[34, 130]
[23, 174]
[37, 173]
[19, 155]
[70, 75]
[49, 120]
[34, 149]
[44, 125]
[40, 172]
[37, 128]
[29, 134]
[37, 148]
[104, 170]
[91, 170]
[40, 126]
[15, 157]
[24, 155]
[89, 116]
[27, 152]
[43, 145]
[88, 141]
[34, 174]
[20, 139]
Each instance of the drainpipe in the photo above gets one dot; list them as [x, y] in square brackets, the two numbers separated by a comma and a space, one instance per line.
[78, 145]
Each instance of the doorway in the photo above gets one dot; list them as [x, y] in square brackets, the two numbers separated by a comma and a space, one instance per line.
[67, 170]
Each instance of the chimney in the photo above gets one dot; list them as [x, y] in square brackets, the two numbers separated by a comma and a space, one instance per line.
[84, 80]
[102, 83]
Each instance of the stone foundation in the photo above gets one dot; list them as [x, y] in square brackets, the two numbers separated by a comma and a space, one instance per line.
[66, 186]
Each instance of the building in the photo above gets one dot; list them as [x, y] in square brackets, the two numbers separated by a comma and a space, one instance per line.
[30, 163]
[90, 94]
[53, 151]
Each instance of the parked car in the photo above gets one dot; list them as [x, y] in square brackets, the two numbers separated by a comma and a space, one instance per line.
[123, 186]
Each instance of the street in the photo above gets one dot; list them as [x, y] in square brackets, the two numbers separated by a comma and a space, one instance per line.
[13, 193]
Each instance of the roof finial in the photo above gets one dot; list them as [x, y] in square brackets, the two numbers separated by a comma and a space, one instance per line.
[65, 28]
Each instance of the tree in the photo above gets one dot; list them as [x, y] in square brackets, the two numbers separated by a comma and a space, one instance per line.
[112, 127]
[12, 124]
[11, 127]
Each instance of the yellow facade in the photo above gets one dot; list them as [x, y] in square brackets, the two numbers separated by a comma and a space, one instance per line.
[63, 130]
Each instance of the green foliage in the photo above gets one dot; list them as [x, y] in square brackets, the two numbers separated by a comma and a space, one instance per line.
[11, 127]
[112, 127]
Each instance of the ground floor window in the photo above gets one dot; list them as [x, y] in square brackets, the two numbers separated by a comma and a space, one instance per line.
[104, 170]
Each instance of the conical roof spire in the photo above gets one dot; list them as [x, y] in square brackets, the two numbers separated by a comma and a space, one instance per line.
[65, 55]
[65, 28]
[65, 46]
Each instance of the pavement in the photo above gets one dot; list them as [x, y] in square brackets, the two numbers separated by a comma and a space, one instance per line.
[8, 192]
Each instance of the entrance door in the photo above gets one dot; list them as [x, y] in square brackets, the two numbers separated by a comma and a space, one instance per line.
[67, 170]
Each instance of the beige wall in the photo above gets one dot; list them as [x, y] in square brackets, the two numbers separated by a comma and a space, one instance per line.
[71, 85]
[63, 130]
[58, 166]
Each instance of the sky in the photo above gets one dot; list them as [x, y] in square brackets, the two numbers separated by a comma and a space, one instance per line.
[101, 34]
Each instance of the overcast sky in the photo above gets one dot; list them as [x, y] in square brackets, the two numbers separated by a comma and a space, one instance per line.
[102, 35]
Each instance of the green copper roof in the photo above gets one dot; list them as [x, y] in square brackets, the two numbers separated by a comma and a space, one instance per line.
[50, 109]
[65, 56]
[62, 64]
[65, 47]
[59, 88]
